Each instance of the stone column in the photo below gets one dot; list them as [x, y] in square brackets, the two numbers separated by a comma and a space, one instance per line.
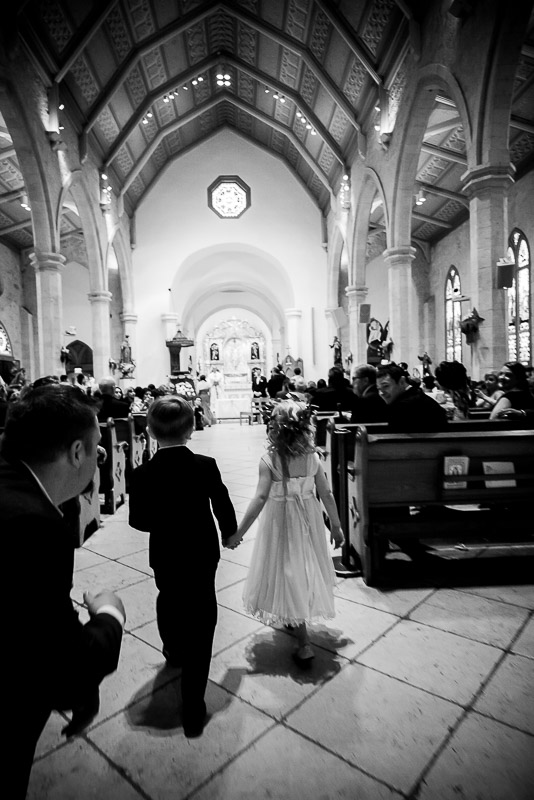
[100, 303]
[487, 189]
[403, 329]
[293, 341]
[357, 330]
[47, 268]
[170, 322]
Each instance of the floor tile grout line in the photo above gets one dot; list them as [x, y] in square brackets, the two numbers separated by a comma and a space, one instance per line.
[346, 760]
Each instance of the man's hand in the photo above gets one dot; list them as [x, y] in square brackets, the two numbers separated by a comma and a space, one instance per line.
[103, 598]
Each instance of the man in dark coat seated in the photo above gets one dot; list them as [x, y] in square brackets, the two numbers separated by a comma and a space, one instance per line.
[369, 407]
[409, 410]
[337, 393]
[49, 453]
[109, 405]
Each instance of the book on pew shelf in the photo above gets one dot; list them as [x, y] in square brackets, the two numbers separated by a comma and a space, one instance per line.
[499, 468]
[455, 465]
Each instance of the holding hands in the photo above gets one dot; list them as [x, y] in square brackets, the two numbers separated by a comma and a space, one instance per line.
[232, 541]
[336, 536]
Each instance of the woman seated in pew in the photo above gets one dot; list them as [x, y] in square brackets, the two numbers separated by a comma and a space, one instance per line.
[488, 393]
[451, 377]
[517, 400]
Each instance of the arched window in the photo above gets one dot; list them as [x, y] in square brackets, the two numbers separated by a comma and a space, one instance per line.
[453, 316]
[519, 333]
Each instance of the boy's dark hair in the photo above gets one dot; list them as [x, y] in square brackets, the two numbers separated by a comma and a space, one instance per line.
[45, 422]
[170, 417]
[395, 371]
[366, 371]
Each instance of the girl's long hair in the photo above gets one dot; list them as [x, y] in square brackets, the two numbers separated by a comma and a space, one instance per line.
[291, 432]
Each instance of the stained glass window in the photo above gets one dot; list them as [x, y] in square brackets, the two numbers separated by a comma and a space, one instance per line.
[453, 316]
[518, 305]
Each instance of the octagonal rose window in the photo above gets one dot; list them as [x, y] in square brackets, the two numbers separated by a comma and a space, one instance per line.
[229, 196]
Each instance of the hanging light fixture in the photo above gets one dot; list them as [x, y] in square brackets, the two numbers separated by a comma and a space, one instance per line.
[24, 202]
[420, 197]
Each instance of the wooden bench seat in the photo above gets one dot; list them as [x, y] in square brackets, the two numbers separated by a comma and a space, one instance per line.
[390, 473]
[113, 470]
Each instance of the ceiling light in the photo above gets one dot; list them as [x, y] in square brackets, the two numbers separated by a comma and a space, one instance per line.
[314, 132]
[104, 176]
[303, 118]
[266, 90]
[377, 127]
[149, 114]
[219, 76]
[226, 76]
[226, 83]
[282, 99]
[220, 83]
[194, 81]
[420, 197]
[298, 115]
[24, 202]
[185, 88]
[61, 106]
[144, 121]
[276, 96]
[308, 126]
[377, 108]
[165, 98]
[200, 79]
[345, 177]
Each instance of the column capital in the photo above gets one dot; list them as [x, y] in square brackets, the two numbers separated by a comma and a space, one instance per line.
[487, 178]
[357, 292]
[128, 316]
[170, 316]
[47, 261]
[100, 297]
[293, 312]
[400, 256]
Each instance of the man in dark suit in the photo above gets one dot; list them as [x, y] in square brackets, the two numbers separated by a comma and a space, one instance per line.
[369, 405]
[259, 384]
[49, 453]
[172, 497]
[410, 410]
[337, 393]
[110, 405]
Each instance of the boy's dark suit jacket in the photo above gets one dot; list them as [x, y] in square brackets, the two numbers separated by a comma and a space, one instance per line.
[170, 497]
[54, 660]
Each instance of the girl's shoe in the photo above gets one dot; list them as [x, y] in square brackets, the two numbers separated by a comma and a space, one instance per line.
[304, 655]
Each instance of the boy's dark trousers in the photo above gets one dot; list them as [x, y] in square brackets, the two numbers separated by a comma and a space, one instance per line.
[187, 615]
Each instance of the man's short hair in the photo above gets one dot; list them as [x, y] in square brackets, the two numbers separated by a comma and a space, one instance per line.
[45, 421]
[365, 371]
[106, 385]
[391, 369]
[171, 417]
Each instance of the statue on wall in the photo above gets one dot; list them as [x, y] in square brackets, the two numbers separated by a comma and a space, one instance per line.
[254, 351]
[214, 351]
[336, 345]
[126, 364]
[379, 342]
[470, 326]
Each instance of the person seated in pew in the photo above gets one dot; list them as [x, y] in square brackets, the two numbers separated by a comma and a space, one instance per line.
[109, 405]
[409, 409]
[517, 400]
[370, 407]
[337, 393]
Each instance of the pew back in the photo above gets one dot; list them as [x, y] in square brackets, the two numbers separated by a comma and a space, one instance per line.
[113, 470]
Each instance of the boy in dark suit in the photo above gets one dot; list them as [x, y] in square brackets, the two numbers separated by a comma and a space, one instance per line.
[170, 497]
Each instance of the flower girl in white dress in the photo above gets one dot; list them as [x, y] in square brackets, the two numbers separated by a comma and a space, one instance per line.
[291, 576]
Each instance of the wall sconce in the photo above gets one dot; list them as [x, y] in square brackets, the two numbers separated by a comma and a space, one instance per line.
[112, 365]
[24, 202]
[344, 191]
[64, 355]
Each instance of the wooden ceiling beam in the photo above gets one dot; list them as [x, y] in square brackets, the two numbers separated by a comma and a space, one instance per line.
[208, 106]
[442, 152]
[343, 29]
[83, 36]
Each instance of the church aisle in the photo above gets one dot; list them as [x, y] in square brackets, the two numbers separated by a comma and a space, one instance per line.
[419, 689]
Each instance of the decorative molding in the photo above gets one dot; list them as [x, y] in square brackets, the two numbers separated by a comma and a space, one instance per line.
[297, 14]
[319, 36]
[140, 18]
[85, 79]
[289, 68]
[55, 20]
[376, 23]
[118, 32]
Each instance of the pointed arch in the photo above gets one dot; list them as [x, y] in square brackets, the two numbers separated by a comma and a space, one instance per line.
[371, 187]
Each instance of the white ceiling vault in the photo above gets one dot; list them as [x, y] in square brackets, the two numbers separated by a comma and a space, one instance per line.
[301, 78]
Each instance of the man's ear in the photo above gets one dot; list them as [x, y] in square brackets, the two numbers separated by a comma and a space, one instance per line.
[403, 382]
[76, 453]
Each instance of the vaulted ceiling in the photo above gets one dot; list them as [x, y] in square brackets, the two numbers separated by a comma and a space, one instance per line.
[300, 78]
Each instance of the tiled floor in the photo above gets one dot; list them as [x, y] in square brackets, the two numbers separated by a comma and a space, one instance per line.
[416, 692]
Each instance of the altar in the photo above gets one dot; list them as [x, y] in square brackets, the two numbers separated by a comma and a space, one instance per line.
[231, 351]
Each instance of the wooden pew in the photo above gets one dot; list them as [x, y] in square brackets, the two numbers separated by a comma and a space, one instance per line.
[136, 443]
[113, 470]
[89, 520]
[393, 472]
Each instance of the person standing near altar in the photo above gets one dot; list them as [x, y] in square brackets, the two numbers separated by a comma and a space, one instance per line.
[215, 380]
[204, 392]
[259, 383]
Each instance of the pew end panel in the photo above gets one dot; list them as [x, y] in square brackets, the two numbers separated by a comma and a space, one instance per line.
[113, 470]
